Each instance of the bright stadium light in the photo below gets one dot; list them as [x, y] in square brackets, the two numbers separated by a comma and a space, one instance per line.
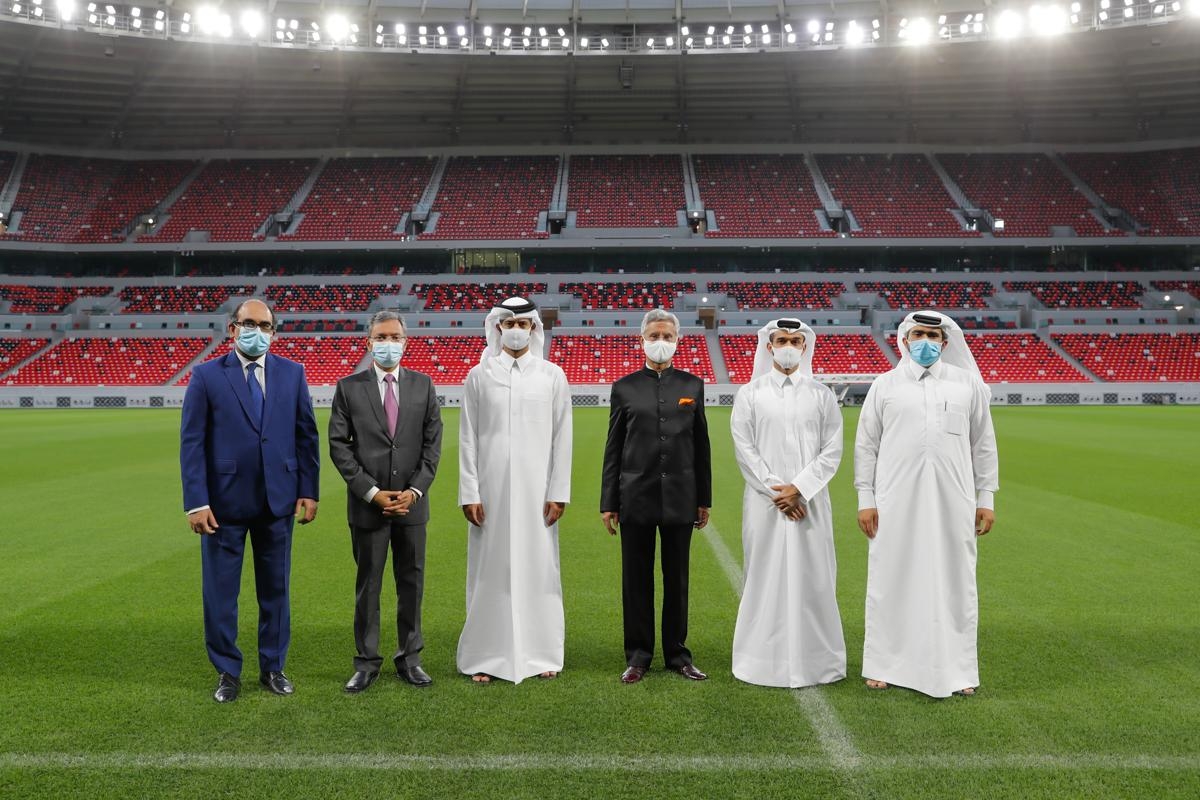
[1009, 24]
[916, 31]
[854, 34]
[583, 42]
[338, 27]
[251, 22]
[1047, 20]
[66, 10]
[207, 20]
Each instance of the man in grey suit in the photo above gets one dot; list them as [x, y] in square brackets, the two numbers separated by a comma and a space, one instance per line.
[385, 438]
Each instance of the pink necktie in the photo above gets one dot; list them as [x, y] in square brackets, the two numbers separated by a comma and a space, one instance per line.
[389, 403]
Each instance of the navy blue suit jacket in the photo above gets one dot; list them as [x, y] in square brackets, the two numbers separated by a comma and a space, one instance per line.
[227, 461]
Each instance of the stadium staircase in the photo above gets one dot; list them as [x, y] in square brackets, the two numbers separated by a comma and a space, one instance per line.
[1061, 352]
[967, 209]
[287, 218]
[558, 199]
[693, 203]
[422, 210]
[161, 212]
[833, 209]
[1108, 216]
[204, 355]
[716, 356]
[52, 337]
[12, 186]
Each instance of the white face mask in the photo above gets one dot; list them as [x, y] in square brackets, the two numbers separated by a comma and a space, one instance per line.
[516, 339]
[659, 352]
[787, 357]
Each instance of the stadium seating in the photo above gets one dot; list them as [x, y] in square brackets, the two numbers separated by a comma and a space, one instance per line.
[1191, 287]
[779, 294]
[836, 354]
[231, 199]
[336, 298]
[47, 299]
[759, 196]
[494, 197]
[627, 295]
[605, 359]
[179, 299]
[7, 160]
[1025, 190]
[14, 351]
[1136, 356]
[84, 200]
[930, 294]
[626, 191]
[1160, 189]
[362, 199]
[115, 361]
[471, 296]
[892, 195]
[326, 359]
[1019, 357]
[983, 322]
[321, 326]
[1081, 294]
[446, 359]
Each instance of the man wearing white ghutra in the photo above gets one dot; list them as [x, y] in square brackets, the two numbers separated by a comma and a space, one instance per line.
[787, 437]
[926, 469]
[514, 484]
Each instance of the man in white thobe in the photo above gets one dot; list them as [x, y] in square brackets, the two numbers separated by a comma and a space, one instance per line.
[925, 468]
[787, 436]
[514, 483]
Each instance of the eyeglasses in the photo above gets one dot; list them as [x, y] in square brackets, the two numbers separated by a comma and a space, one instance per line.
[395, 337]
[249, 325]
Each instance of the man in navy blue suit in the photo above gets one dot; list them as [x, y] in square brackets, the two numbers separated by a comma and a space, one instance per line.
[249, 454]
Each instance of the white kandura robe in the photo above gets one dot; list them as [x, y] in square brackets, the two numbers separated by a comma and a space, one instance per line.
[925, 457]
[514, 456]
[789, 631]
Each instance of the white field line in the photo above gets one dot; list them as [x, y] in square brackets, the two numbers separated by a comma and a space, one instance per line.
[832, 735]
[299, 762]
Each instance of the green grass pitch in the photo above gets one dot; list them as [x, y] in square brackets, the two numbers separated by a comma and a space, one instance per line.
[1089, 642]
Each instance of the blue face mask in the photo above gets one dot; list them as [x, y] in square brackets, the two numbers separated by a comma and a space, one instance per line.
[387, 354]
[924, 352]
[253, 343]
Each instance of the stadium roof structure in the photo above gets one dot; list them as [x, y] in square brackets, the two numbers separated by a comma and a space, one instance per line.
[124, 81]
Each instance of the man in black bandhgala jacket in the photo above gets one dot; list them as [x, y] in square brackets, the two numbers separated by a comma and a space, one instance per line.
[657, 478]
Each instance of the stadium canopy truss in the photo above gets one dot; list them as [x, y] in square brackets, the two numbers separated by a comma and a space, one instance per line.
[428, 73]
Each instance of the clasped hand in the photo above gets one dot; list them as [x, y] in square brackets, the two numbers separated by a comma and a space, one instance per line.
[394, 503]
[789, 502]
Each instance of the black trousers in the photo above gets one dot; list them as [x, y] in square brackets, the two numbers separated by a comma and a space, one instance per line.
[407, 543]
[637, 592]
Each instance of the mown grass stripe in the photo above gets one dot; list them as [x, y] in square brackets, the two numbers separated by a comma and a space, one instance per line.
[299, 762]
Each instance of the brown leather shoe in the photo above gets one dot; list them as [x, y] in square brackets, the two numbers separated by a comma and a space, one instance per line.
[690, 672]
[634, 674]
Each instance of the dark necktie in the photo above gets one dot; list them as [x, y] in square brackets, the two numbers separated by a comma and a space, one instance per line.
[256, 393]
[389, 403]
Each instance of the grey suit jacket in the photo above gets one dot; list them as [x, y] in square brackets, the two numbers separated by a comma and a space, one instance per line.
[367, 456]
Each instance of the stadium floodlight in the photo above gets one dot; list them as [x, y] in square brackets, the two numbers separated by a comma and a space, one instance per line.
[650, 43]
[813, 26]
[441, 30]
[251, 21]
[506, 42]
[791, 38]
[134, 12]
[528, 30]
[542, 32]
[566, 42]
[683, 30]
[688, 42]
[1010, 24]
[66, 10]
[725, 40]
[729, 30]
[545, 41]
[1047, 20]
[207, 20]
[422, 30]
[463, 41]
[400, 29]
[766, 28]
[461, 30]
[746, 40]
[604, 43]
[135, 23]
[487, 41]
[670, 41]
[525, 41]
[110, 9]
[708, 40]
[16, 8]
[766, 38]
[338, 27]
[561, 32]
[918, 31]
[92, 19]
[487, 30]
[583, 42]
[442, 41]
[854, 34]
[422, 40]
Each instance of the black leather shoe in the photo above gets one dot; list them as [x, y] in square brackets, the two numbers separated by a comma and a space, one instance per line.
[277, 683]
[227, 688]
[690, 672]
[634, 674]
[359, 681]
[414, 675]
